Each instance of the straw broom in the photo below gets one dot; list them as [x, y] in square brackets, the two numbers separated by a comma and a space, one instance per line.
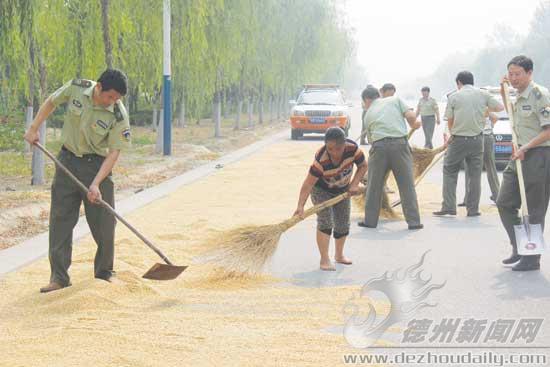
[248, 248]
[426, 162]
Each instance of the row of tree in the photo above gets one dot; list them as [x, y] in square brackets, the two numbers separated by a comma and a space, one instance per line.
[223, 51]
[489, 64]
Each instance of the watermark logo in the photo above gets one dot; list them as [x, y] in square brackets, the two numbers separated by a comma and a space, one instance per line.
[406, 292]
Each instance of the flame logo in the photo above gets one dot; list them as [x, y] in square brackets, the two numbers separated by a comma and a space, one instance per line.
[406, 292]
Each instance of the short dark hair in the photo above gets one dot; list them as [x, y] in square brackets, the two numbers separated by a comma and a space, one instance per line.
[425, 89]
[523, 62]
[465, 77]
[370, 92]
[335, 134]
[114, 79]
[388, 86]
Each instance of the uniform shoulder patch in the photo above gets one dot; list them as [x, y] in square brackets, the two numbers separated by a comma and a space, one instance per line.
[545, 112]
[126, 134]
[82, 83]
[537, 93]
[118, 113]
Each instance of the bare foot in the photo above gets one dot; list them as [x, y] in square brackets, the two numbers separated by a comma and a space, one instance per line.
[343, 260]
[327, 266]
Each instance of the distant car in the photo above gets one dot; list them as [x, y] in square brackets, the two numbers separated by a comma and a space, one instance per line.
[319, 107]
[502, 131]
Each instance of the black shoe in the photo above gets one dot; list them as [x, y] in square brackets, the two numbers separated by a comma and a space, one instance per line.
[514, 258]
[416, 226]
[362, 224]
[443, 213]
[493, 199]
[526, 264]
[462, 204]
[105, 275]
[476, 214]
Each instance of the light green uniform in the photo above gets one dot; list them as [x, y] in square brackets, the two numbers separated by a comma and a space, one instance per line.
[90, 129]
[467, 108]
[531, 115]
[384, 118]
[88, 132]
[428, 110]
[390, 150]
[427, 106]
[531, 112]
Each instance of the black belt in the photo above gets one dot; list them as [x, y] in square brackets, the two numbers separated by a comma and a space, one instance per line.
[64, 148]
[468, 137]
[392, 138]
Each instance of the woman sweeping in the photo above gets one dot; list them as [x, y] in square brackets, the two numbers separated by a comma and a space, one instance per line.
[331, 175]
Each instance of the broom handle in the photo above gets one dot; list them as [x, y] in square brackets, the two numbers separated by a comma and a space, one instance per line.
[419, 178]
[317, 208]
[433, 163]
[104, 204]
[519, 168]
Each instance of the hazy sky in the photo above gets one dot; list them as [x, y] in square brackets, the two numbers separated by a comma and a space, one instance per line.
[400, 40]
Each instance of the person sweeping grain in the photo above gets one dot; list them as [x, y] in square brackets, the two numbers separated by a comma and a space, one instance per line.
[329, 176]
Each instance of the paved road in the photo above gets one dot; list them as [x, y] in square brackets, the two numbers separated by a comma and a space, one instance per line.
[463, 252]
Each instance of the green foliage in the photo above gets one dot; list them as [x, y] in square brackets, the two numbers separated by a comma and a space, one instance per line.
[268, 47]
[11, 136]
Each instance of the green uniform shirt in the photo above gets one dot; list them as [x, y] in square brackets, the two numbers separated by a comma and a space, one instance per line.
[428, 106]
[385, 118]
[90, 129]
[467, 107]
[531, 113]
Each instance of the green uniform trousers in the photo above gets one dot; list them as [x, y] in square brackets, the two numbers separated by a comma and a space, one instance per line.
[490, 167]
[536, 174]
[65, 208]
[391, 154]
[428, 126]
[469, 149]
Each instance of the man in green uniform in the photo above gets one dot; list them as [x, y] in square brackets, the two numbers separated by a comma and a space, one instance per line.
[428, 110]
[95, 130]
[531, 112]
[465, 113]
[387, 90]
[385, 123]
[488, 160]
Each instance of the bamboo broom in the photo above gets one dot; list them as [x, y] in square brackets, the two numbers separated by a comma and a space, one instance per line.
[248, 248]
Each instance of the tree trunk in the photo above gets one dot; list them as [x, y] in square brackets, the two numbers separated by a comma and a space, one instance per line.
[227, 104]
[106, 36]
[182, 110]
[285, 105]
[159, 147]
[217, 107]
[270, 107]
[250, 112]
[261, 104]
[154, 125]
[278, 103]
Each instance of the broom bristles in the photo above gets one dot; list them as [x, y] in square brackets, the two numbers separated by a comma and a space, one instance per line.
[422, 157]
[245, 249]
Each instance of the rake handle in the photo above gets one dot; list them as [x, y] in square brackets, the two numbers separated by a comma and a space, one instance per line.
[519, 168]
[101, 202]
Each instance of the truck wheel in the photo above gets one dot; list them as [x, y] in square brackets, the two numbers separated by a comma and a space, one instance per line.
[295, 134]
